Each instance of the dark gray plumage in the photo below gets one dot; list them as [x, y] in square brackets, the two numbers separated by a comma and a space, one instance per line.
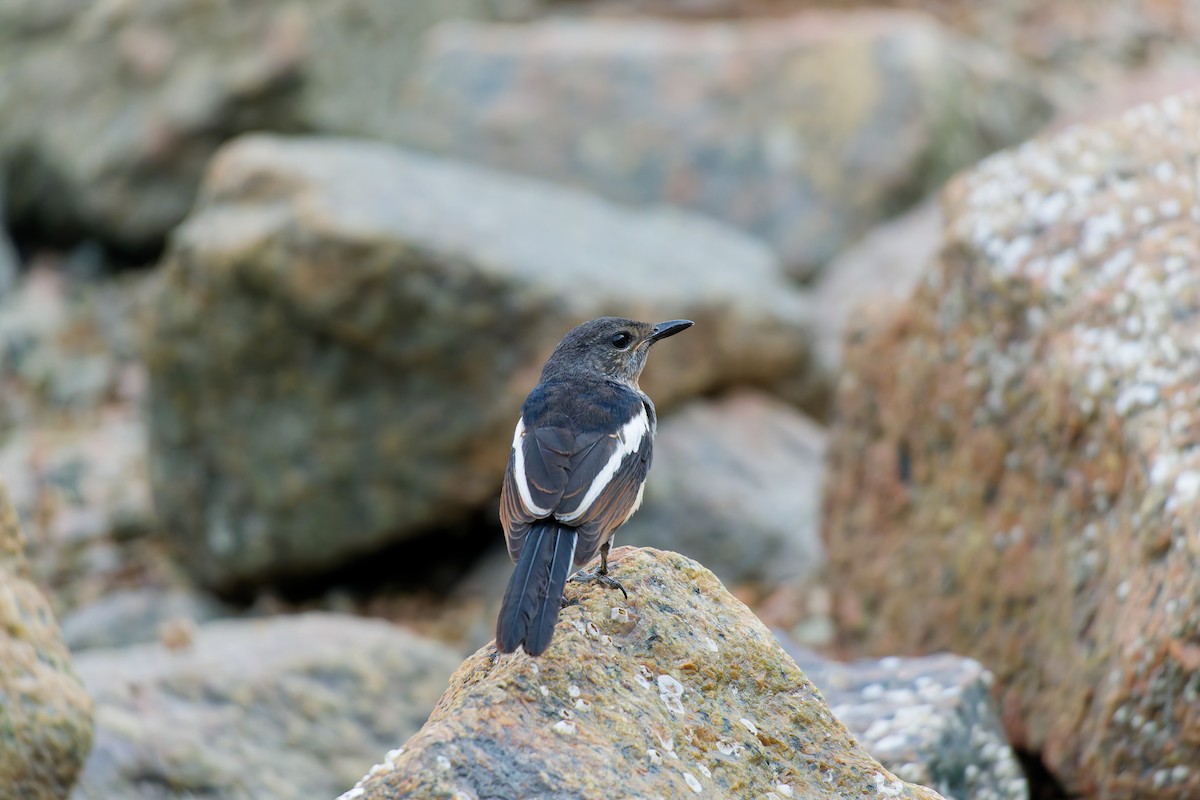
[579, 459]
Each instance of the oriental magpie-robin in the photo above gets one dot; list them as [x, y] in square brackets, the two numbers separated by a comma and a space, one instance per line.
[576, 471]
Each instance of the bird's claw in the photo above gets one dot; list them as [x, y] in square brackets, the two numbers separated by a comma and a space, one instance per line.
[583, 576]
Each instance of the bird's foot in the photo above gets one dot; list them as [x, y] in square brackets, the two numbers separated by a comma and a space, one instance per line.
[596, 576]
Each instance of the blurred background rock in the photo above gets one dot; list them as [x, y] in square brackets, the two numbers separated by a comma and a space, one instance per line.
[275, 277]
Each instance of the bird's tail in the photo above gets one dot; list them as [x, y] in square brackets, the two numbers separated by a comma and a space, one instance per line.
[534, 596]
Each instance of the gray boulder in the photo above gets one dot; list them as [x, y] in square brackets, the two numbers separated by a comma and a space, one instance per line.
[136, 616]
[930, 720]
[109, 110]
[804, 131]
[736, 485]
[876, 274]
[285, 707]
[344, 333]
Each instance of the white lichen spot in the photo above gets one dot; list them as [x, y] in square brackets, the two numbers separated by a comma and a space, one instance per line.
[888, 787]
[749, 725]
[693, 782]
[564, 727]
[671, 693]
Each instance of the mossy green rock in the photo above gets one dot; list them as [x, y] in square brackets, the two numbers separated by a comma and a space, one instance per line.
[678, 692]
[45, 714]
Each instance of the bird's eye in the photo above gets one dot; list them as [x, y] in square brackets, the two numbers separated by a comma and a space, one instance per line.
[621, 340]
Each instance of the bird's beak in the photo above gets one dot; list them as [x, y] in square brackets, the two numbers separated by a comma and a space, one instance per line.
[669, 328]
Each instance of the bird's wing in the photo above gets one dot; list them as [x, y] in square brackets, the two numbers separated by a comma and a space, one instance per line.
[534, 480]
[605, 480]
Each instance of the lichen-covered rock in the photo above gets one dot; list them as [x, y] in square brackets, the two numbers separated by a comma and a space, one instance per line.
[285, 707]
[45, 714]
[110, 110]
[930, 720]
[803, 131]
[345, 332]
[747, 463]
[678, 691]
[1013, 473]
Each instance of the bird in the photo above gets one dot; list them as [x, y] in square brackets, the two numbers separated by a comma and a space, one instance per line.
[577, 470]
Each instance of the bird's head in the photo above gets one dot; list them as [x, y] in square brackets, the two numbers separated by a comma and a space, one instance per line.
[610, 346]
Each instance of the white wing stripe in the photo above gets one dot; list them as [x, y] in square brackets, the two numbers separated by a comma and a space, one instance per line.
[629, 441]
[519, 472]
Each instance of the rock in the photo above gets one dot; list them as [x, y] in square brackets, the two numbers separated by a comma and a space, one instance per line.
[285, 707]
[8, 254]
[749, 464]
[136, 616]
[110, 110]
[46, 716]
[1013, 473]
[73, 449]
[680, 691]
[803, 131]
[874, 276]
[345, 332]
[930, 720]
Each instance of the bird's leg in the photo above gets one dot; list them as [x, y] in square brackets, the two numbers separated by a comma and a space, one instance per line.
[601, 574]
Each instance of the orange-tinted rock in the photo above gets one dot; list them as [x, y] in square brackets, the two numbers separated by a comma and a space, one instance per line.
[1014, 472]
[678, 692]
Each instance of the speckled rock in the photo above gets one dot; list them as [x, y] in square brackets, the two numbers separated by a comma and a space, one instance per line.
[73, 449]
[345, 332]
[285, 707]
[930, 720]
[873, 277]
[747, 463]
[46, 716]
[803, 131]
[1013, 474]
[679, 691]
[109, 110]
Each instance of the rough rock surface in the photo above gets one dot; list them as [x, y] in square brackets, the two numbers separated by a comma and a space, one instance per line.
[874, 276]
[749, 464]
[73, 450]
[803, 131]
[109, 110]
[345, 332]
[45, 716]
[930, 720]
[286, 708]
[1014, 474]
[680, 691]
